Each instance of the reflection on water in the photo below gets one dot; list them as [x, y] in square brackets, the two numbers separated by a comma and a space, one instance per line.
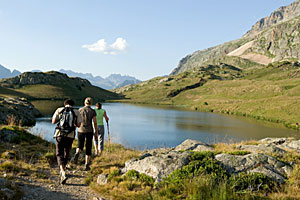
[151, 127]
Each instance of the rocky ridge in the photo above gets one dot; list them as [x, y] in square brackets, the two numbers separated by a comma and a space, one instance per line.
[272, 39]
[159, 163]
[34, 78]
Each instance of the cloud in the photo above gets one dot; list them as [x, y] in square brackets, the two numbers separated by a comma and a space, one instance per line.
[101, 46]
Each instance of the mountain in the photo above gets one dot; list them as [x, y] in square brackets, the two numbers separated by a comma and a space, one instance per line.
[271, 39]
[6, 73]
[52, 85]
[111, 82]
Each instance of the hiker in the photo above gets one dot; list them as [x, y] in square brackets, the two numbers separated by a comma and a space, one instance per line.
[86, 132]
[68, 119]
[99, 142]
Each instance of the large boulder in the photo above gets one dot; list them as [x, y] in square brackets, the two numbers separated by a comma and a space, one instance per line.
[264, 148]
[158, 166]
[193, 145]
[17, 111]
[255, 162]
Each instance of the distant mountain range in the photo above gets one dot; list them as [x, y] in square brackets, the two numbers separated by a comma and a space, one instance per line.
[6, 73]
[111, 82]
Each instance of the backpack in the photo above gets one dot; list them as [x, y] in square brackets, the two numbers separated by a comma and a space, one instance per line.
[66, 123]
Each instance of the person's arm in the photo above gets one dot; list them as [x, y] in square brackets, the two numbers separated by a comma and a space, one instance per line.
[95, 126]
[105, 116]
[55, 117]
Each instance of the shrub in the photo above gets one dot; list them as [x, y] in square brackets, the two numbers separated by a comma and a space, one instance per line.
[251, 182]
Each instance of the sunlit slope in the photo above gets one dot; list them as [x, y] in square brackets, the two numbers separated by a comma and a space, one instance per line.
[53, 85]
[265, 92]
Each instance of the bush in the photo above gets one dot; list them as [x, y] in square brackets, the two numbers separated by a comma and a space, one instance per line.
[251, 182]
[134, 175]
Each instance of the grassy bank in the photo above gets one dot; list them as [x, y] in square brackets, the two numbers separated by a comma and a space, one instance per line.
[203, 178]
[25, 155]
[266, 93]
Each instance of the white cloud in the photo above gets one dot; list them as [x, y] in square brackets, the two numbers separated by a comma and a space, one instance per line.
[101, 46]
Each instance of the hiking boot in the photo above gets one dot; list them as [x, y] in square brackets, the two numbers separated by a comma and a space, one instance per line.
[63, 179]
[75, 159]
[87, 167]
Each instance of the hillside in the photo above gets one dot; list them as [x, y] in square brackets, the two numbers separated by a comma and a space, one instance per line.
[263, 92]
[52, 85]
[271, 39]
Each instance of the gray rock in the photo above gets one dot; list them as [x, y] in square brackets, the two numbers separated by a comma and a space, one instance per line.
[102, 179]
[264, 148]
[275, 141]
[193, 145]
[268, 172]
[237, 164]
[158, 166]
[17, 111]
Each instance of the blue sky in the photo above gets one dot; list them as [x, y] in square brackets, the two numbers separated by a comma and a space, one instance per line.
[141, 38]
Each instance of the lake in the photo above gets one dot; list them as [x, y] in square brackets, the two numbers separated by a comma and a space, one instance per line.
[146, 127]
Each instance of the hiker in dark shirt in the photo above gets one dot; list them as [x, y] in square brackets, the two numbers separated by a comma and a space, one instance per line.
[86, 132]
[64, 138]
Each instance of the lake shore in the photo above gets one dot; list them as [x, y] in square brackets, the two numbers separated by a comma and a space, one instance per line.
[121, 173]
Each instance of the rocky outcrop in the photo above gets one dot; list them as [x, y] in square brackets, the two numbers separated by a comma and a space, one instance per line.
[34, 78]
[158, 166]
[193, 145]
[271, 39]
[255, 162]
[159, 163]
[282, 14]
[17, 111]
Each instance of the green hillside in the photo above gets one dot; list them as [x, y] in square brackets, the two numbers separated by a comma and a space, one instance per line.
[269, 93]
[52, 85]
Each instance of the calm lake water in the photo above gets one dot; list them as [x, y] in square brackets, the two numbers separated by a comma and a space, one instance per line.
[148, 127]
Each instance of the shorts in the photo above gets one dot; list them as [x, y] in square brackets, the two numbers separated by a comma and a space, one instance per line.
[88, 139]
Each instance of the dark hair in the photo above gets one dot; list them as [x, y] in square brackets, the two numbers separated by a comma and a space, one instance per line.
[69, 102]
[99, 105]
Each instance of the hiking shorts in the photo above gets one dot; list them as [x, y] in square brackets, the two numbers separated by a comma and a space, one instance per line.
[86, 138]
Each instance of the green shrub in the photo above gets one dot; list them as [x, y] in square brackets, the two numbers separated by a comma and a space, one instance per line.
[114, 173]
[134, 175]
[251, 182]
[239, 153]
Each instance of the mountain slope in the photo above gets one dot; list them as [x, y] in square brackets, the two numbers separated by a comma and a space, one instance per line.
[272, 39]
[53, 85]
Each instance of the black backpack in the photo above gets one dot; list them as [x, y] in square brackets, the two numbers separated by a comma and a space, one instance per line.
[67, 119]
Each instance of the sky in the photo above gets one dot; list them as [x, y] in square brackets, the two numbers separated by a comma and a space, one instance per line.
[141, 38]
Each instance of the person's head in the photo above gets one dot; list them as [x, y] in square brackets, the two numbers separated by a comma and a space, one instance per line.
[88, 101]
[98, 105]
[69, 102]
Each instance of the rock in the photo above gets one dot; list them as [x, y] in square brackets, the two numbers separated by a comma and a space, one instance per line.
[293, 145]
[236, 164]
[268, 172]
[275, 141]
[17, 111]
[158, 166]
[102, 179]
[264, 148]
[193, 145]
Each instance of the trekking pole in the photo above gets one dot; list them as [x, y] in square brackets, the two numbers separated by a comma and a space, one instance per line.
[108, 134]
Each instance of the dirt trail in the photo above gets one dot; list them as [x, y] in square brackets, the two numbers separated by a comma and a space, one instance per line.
[75, 188]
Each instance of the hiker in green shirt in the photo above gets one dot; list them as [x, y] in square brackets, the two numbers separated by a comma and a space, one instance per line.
[99, 142]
